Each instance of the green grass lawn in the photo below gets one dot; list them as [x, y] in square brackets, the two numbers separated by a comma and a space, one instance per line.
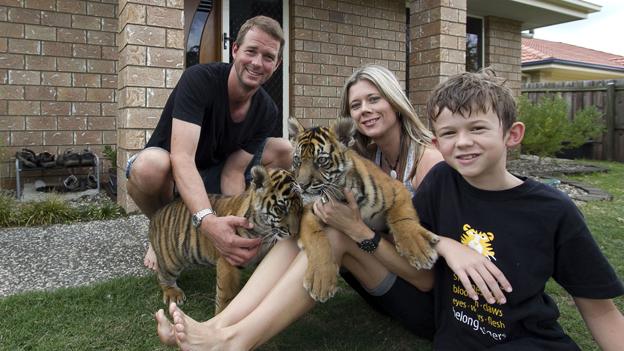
[117, 315]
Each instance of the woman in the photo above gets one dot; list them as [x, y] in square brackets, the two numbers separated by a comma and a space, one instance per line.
[390, 133]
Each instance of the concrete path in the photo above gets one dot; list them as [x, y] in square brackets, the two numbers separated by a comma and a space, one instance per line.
[43, 258]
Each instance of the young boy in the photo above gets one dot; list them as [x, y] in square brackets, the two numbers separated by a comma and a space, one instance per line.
[530, 231]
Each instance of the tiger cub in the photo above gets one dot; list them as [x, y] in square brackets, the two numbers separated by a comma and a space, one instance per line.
[324, 166]
[272, 203]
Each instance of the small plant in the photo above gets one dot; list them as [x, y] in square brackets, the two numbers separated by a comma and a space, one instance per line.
[3, 158]
[105, 210]
[110, 154]
[7, 206]
[587, 125]
[53, 210]
[545, 124]
[548, 129]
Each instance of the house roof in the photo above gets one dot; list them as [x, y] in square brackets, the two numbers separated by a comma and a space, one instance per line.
[533, 13]
[541, 52]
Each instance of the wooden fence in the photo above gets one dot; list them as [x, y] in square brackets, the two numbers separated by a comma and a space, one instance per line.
[606, 95]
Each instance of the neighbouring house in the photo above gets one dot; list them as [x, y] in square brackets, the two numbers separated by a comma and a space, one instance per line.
[549, 61]
[86, 74]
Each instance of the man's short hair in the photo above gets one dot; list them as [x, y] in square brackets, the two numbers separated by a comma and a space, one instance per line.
[265, 24]
[467, 92]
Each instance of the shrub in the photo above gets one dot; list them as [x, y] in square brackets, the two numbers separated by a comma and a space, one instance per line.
[548, 129]
[54, 210]
[51, 211]
[7, 206]
[587, 125]
[545, 125]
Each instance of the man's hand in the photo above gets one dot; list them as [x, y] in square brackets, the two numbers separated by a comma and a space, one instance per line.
[222, 231]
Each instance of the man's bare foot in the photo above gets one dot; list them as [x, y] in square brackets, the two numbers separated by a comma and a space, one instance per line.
[164, 329]
[192, 335]
[150, 260]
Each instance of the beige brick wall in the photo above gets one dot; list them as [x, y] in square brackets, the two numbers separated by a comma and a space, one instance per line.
[438, 42]
[151, 59]
[59, 61]
[503, 50]
[328, 45]
[57, 77]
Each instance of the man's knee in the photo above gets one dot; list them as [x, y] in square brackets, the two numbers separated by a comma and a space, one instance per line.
[277, 153]
[151, 169]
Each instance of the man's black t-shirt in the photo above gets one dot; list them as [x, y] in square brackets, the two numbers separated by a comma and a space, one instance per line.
[531, 232]
[201, 97]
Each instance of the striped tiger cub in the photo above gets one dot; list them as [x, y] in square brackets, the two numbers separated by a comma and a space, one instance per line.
[272, 203]
[324, 166]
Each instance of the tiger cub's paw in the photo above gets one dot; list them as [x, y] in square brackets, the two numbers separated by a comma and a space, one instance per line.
[320, 281]
[419, 251]
[173, 294]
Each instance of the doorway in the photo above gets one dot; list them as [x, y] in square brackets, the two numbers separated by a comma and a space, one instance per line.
[211, 27]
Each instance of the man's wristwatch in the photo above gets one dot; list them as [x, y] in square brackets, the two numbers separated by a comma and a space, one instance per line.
[370, 245]
[199, 216]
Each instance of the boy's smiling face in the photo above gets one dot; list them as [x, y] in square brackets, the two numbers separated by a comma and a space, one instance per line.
[476, 147]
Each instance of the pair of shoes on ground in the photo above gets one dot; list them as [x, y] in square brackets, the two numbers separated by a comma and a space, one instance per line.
[41, 186]
[72, 183]
[70, 158]
[29, 159]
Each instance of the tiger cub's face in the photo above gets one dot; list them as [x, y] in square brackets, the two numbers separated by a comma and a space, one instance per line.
[277, 202]
[319, 161]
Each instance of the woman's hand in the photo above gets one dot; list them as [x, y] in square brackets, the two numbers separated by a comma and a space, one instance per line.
[343, 217]
[469, 266]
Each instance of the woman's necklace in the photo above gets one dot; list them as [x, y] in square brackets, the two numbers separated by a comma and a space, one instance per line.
[393, 168]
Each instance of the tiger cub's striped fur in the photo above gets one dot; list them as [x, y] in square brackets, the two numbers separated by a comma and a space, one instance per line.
[272, 203]
[324, 166]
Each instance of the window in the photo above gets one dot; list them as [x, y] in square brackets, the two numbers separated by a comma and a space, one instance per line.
[474, 44]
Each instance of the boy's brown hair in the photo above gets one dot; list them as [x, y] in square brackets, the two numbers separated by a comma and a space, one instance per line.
[265, 24]
[467, 92]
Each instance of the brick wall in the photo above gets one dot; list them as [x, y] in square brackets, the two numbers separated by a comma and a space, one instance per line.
[503, 50]
[151, 59]
[438, 42]
[57, 77]
[59, 60]
[328, 45]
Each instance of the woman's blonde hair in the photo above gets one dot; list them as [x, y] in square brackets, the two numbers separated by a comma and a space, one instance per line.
[390, 89]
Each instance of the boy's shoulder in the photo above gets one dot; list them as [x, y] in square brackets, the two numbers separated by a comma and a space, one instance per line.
[442, 177]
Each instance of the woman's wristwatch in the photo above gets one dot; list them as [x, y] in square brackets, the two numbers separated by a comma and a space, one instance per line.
[370, 245]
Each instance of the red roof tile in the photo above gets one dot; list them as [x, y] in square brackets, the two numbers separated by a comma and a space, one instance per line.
[539, 50]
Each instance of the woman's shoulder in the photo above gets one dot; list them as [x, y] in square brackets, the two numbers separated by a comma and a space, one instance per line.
[429, 157]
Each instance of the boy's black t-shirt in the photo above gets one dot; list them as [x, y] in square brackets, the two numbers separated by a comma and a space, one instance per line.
[201, 97]
[531, 232]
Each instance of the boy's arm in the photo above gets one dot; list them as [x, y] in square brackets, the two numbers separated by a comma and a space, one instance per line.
[472, 267]
[604, 320]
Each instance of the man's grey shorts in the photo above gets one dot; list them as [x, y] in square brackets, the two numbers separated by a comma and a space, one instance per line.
[212, 175]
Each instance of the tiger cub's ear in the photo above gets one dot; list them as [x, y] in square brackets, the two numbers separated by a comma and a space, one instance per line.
[294, 128]
[345, 130]
[260, 177]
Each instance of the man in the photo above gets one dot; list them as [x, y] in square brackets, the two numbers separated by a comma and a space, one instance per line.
[215, 126]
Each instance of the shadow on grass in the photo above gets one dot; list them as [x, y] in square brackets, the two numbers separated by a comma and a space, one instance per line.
[117, 315]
